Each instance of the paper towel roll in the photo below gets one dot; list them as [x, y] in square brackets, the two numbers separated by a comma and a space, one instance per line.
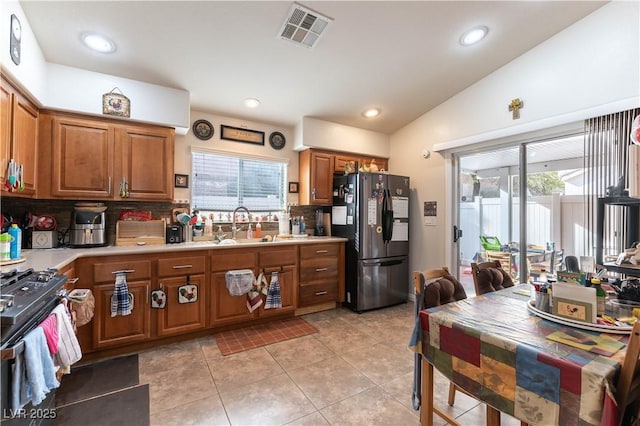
[283, 224]
[326, 218]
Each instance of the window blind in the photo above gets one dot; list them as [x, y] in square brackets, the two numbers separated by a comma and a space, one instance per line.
[606, 162]
[222, 182]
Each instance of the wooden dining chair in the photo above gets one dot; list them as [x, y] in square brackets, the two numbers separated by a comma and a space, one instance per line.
[628, 387]
[435, 287]
[505, 258]
[490, 276]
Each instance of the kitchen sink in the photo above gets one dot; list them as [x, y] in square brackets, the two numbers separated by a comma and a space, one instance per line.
[228, 242]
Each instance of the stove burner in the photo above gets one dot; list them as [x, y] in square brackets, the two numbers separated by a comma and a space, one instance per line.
[25, 292]
[46, 275]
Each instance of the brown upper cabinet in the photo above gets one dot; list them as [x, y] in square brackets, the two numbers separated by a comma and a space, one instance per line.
[104, 159]
[316, 169]
[18, 138]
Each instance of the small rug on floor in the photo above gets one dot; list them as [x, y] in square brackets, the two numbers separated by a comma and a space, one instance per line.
[126, 407]
[239, 340]
[97, 378]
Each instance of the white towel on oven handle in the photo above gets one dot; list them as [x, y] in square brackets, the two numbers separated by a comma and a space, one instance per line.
[69, 351]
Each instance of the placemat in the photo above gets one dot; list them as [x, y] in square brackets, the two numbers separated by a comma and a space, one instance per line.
[588, 342]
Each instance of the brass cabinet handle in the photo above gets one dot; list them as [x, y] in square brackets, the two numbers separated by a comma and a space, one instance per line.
[322, 251]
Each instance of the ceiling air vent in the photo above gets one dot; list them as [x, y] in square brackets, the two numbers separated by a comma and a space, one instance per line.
[303, 26]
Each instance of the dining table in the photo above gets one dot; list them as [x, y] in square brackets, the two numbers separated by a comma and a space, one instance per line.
[498, 351]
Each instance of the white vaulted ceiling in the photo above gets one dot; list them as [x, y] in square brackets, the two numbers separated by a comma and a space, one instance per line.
[402, 57]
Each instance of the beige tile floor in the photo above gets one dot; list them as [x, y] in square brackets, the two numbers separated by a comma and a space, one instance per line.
[357, 370]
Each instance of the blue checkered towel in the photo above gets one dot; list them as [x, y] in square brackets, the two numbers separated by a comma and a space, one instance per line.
[274, 299]
[120, 301]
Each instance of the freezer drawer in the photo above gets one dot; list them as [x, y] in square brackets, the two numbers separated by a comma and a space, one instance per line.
[381, 282]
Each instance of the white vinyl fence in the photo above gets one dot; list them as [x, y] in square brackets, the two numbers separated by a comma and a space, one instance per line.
[554, 218]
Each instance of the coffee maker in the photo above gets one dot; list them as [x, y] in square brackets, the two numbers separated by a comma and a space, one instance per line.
[88, 226]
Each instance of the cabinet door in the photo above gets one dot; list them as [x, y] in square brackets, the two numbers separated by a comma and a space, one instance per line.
[25, 139]
[120, 330]
[18, 136]
[147, 162]
[82, 159]
[321, 178]
[341, 160]
[5, 130]
[287, 277]
[224, 308]
[178, 317]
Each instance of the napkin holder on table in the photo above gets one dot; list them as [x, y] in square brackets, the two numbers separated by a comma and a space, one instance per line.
[574, 302]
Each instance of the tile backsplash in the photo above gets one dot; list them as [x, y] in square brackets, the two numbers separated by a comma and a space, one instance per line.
[61, 210]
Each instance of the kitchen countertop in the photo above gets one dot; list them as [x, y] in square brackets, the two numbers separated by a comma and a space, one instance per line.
[60, 257]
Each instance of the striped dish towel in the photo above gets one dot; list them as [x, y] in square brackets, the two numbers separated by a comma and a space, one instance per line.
[274, 299]
[120, 302]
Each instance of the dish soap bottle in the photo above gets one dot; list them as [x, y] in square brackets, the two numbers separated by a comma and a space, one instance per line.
[15, 249]
[258, 230]
[249, 233]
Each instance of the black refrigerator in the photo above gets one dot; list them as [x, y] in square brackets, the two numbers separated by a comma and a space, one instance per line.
[372, 211]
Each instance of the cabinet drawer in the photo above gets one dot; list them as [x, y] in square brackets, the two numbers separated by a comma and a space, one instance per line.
[319, 268]
[181, 266]
[313, 251]
[233, 260]
[104, 272]
[320, 292]
[278, 256]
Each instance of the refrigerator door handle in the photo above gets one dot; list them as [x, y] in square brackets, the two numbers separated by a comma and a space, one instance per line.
[387, 217]
[382, 263]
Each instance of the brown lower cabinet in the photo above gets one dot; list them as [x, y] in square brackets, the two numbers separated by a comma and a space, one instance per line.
[176, 317]
[227, 309]
[111, 331]
[215, 308]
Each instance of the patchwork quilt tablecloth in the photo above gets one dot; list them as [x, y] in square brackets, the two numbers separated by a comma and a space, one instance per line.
[495, 349]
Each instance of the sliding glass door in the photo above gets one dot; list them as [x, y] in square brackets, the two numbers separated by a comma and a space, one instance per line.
[526, 198]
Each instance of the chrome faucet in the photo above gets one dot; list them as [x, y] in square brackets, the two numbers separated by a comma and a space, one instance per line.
[234, 229]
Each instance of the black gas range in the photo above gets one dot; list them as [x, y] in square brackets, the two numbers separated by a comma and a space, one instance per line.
[25, 296]
[26, 299]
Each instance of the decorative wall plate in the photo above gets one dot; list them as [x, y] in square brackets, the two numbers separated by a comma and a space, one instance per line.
[202, 129]
[277, 140]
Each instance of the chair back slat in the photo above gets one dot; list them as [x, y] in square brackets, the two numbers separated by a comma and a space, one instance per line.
[630, 373]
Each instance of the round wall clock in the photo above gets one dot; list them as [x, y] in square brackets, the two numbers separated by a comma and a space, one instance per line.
[277, 140]
[202, 129]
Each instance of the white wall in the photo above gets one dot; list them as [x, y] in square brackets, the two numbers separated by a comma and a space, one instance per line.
[32, 70]
[72, 89]
[590, 67]
[314, 133]
[185, 143]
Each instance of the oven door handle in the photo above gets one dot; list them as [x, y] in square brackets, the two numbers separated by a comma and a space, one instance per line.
[13, 352]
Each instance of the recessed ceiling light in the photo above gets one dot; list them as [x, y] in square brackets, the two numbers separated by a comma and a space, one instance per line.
[474, 35]
[98, 42]
[371, 112]
[251, 103]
